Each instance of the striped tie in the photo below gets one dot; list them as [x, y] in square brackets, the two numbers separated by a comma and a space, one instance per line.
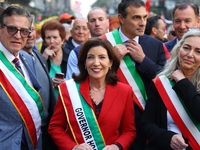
[17, 65]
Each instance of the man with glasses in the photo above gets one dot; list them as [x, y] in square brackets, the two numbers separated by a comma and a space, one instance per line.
[185, 16]
[21, 106]
[155, 28]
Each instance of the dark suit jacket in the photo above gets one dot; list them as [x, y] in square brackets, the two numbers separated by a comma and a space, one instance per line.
[114, 119]
[154, 120]
[49, 105]
[153, 62]
[11, 123]
[170, 44]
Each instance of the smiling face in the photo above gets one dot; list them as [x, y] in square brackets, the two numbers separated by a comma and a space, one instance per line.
[97, 63]
[189, 55]
[183, 20]
[53, 38]
[14, 43]
[80, 32]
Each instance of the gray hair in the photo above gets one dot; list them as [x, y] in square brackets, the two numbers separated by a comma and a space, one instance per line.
[72, 24]
[14, 10]
[173, 63]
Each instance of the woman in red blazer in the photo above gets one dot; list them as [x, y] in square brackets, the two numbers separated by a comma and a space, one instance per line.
[94, 110]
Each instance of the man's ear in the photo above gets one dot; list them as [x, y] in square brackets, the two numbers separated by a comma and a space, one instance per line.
[154, 30]
[121, 18]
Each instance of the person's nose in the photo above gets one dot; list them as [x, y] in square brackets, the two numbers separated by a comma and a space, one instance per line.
[17, 35]
[191, 53]
[51, 40]
[96, 62]
[97, 23]
[143, 21]
[182, 25]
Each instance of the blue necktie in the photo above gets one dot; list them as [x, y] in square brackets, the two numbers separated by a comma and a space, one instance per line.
[17, 65]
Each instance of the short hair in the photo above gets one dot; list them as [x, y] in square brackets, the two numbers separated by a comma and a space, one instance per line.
[111, 77]
[14, 10]
[96, 8]
[122, 7]
[151, 22]
[72, 24]
[183, 5]
[173, 63]
[53, 25]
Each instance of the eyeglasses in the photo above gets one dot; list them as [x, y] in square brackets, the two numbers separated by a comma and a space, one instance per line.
[173, 33]
[12, 30]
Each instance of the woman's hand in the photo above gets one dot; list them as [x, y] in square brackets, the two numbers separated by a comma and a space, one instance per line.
[82, 146]
[177, 142]
[48, 52]
[111, 147]
[177, 75]
[57, 81]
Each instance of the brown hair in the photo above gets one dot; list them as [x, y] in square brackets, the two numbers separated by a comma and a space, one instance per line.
[53, 25]
[111, 77]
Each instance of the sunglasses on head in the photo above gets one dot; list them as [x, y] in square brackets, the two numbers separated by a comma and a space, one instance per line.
[12, 30]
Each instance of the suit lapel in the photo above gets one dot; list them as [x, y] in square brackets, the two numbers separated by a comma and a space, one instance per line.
[85, 91]
[109, 98]
[28, 62]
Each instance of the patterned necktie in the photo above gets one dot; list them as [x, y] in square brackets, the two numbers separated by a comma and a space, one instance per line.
[17, 65]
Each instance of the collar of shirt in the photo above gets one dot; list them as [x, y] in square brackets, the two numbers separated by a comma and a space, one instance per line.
[10, 57]
[177, 40]
[74, 43]
[8, 54]
[124, 38]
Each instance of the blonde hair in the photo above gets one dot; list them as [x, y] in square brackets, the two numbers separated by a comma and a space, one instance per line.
[173, 63]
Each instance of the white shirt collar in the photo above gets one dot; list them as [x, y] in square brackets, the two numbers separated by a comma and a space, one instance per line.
[124, 38]
[74, 43]
[8, 54]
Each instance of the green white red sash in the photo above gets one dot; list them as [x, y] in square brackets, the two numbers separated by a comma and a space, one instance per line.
[26, 100]
[80, 116]
[189, 127]
[127, 72]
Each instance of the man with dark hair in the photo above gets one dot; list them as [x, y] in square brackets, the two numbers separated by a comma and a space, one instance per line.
[142, 57]
[185, 16]
[21, 106]
[155, 27]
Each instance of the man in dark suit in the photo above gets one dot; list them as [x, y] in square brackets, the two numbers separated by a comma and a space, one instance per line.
[142, 56]
[47, 93]
[21, 106]
[185, 16]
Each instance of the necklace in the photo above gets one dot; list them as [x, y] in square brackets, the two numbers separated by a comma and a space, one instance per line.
[97, 90]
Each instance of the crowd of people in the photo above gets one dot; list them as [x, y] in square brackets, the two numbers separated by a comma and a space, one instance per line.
[71, 84]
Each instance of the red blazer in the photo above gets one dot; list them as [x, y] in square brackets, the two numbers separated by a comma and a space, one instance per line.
[116, 118]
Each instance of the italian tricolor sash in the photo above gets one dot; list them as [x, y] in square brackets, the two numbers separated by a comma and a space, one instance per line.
[188, 126]
[80, 116]
[23, 96]
[127, 72]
